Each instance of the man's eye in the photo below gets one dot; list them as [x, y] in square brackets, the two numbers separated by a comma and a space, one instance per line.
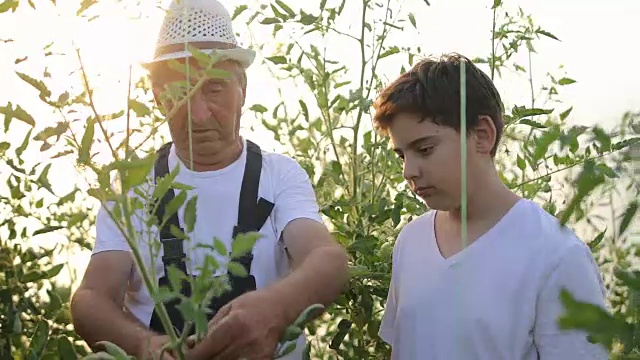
[212, 87]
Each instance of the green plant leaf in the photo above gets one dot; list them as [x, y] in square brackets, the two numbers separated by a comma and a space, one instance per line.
[65, 349]
[286, 8]
[85, 144]
[258, 108]
[278, 59]
[238, 10]
[628, 217]
[243, 243]
[47, 229]
[566, 81]
[114, 350]
[190, 214]
[236, 269]
[412, 19]
[533, 124]
[175, 204]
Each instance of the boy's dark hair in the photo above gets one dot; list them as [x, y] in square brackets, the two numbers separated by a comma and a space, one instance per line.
[431, 89]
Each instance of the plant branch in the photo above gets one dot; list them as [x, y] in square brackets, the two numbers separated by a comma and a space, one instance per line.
[93, 106]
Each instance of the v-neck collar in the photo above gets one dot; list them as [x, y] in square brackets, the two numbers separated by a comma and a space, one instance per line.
[478, 243]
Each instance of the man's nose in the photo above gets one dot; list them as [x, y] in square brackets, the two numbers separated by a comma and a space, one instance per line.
[200, 112]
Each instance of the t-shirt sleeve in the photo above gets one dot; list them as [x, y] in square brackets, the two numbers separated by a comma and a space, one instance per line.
[579, 274]
[108, 235]
[295, 197]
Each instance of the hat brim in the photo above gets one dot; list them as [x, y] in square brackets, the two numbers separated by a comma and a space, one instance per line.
[243, 56]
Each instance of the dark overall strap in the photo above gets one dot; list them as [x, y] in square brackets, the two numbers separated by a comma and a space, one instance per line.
[172, 246]
[251, 214]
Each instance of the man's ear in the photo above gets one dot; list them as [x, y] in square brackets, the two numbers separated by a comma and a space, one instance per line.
[485, 135]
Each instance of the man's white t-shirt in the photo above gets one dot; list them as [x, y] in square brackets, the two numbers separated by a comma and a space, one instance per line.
[497, 299]
[283, 182]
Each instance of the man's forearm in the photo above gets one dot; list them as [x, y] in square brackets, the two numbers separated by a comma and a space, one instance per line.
[97, 318]
[318, 280]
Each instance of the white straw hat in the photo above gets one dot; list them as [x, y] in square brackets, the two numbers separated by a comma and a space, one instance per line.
[204, 24]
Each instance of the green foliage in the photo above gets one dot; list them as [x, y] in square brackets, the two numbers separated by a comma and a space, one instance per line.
[358, 180]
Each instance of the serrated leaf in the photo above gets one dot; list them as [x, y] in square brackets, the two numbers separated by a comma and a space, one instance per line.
[8, 5]
[520, 162]
[597, 240]
[546, 33]
[190, 214]
[308, 19]
[220, 247]
[175, 204]
[412, 19]
[243, 243]
[533, 124]
[277, 59]
[54, 271]
[270, 20]
[258, 108]
[65, 349]
[22, 115]
[627, 217]
[389, 52]
[239, 10]
[47, 229]
[236, 269]
[176, 276]
[286, 8]
[39, 340]
[85, 143]
[566, 81]
[565, 114]
[139, 108]
[114, 350]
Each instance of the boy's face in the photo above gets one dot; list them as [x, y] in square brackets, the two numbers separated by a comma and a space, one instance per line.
[431, 159]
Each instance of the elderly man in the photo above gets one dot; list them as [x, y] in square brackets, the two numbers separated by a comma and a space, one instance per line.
[240, 188]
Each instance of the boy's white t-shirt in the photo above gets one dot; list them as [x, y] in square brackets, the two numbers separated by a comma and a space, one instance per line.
[283, 182]
[497, 299]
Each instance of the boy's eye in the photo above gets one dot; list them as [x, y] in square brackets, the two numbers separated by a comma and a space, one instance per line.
[426, 150]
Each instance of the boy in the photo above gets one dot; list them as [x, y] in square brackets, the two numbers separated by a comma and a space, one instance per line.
[498, 297]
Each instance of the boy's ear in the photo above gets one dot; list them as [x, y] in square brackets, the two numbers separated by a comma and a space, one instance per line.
[485, 135]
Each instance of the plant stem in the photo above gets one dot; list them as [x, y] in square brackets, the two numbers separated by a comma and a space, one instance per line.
[159, 305]
[463, 149]
[126, 147]
[493, 43]
[93, 107]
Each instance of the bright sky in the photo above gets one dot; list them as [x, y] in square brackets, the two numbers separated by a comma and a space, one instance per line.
[597, 43]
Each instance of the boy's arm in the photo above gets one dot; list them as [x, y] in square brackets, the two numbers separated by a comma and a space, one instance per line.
[578, 273]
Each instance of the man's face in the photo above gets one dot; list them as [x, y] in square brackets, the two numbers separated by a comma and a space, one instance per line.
[215, 109]
[431, 159]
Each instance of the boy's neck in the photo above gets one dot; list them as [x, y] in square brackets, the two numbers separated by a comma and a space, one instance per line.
[490, 201]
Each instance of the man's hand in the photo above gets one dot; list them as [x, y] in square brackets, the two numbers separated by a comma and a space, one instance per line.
[249, 327]
[151, 349]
